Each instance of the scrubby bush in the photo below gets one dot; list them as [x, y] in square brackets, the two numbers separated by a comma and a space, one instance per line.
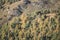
[32, 25]
[32, 29]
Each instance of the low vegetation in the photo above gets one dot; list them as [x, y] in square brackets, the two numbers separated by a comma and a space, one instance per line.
[32, 23]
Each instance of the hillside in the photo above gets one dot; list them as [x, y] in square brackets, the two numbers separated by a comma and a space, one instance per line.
[29, 19]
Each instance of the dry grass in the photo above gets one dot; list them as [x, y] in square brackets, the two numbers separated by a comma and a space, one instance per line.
[32, 24]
